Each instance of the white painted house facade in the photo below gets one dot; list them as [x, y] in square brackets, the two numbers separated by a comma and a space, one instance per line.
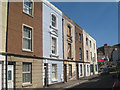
[52, 44]
[86, 53]
[93, 56]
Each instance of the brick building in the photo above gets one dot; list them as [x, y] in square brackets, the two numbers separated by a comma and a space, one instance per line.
[24, 47]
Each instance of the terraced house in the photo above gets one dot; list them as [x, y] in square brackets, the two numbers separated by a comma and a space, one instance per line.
[41, 46]
[93, 56]
[3, 26]
[79, 53]
[69, 49]
[52, 45]
[86, 48]
[24, 45]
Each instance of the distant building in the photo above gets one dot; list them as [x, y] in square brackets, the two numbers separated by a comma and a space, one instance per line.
[104, 52]
[108, 55]
[116, 54]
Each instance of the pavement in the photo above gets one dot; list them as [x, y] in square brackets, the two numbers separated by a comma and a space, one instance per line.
[73, 83]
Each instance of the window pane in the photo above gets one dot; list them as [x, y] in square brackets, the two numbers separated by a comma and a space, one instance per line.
[26, 77]
[9, 75]
[81, 70]
[27, 32]
[69, 31]
[87, 68]
[80, 37]
[28, 6]
[26, 67]
[80, 53]
[27, 3]
[69, 50]
[70, 70]
[26, 44]
[54, 71]
[76, 36]
[26, 73]
[27, 38]
[53, 21]
[53, 45]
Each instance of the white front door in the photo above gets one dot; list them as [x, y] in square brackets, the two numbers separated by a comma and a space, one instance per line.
[0, 76]
[10, 76]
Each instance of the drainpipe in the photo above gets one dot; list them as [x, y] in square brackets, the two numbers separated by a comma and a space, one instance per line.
[63, 36]
[63, 44]
[7, 42]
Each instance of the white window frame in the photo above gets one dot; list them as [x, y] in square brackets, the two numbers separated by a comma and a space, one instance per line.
[56, 21]
[56, 54]
[28, 50]
[29, 72]
[55, 78]
[32, 8]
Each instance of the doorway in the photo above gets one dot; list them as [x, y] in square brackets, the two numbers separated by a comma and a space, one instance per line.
[10, 76]
[77, 71]
[65, 73]
[0, 76]
[46, 74]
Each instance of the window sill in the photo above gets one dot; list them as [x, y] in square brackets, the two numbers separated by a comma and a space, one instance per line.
[70, 77]
[26, 84]
[53, 55]
[28, 14]
[53, 27]
[70, 58]
[54, 80]
[25, 50]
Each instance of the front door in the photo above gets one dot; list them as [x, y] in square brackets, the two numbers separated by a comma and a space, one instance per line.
[46, 74]
[65, 72]
[77, 71]
[10, 76]
[0, 76]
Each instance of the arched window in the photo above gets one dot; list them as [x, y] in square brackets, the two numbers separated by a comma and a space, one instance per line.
[54, 20]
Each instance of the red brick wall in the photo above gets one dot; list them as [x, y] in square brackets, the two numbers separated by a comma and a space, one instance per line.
[78, 44]
[15, 21]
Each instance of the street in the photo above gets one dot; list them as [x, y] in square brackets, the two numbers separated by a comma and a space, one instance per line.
[103, 81]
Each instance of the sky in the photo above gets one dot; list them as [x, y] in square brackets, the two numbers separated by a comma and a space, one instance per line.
[99, 19]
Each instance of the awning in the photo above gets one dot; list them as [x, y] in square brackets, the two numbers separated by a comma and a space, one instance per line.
[101, 60]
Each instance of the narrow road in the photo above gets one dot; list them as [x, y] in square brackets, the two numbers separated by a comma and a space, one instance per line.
[103, 81]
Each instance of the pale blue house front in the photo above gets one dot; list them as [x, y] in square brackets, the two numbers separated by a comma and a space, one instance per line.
[52, 45]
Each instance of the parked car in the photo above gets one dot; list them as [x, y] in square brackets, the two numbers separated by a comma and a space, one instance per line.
[104, 71]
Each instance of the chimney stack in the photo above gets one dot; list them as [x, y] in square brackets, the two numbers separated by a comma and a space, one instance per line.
[105, 44]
